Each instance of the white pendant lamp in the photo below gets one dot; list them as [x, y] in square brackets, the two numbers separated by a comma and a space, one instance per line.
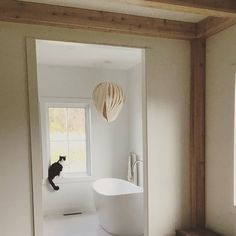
[108, 99]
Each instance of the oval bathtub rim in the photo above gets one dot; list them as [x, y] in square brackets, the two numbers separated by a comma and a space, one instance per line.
[117, 194]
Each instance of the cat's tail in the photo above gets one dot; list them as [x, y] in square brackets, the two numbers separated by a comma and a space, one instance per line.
[56, 188]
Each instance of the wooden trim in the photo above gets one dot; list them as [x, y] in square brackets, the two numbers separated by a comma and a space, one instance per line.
[197, 133]
[213, 25]
[69, 17]
[197, 232]
[44, 14]
[220, 8]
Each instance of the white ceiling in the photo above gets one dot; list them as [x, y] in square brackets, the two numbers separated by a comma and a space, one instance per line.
[121, 7]
[87, 55]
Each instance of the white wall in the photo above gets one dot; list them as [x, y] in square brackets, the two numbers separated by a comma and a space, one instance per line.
[221, 68]
[109, 141]
[168, 76]
[135, 104]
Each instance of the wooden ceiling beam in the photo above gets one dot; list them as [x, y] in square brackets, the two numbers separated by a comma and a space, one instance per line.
[219, 8]
[69, 17]
[213, 25]
[45, 14]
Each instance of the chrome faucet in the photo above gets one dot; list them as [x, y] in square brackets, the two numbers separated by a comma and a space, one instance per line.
[134, 164]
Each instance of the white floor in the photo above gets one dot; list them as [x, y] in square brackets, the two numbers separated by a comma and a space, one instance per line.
[86, 224]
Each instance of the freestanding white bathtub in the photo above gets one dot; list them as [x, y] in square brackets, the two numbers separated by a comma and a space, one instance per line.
[119, 206]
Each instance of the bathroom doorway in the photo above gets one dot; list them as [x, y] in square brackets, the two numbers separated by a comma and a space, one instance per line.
[104, 169]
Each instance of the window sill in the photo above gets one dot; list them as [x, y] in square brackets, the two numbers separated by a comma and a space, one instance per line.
[64, 180]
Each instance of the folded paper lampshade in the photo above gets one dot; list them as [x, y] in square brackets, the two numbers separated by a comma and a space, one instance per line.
[108, 99]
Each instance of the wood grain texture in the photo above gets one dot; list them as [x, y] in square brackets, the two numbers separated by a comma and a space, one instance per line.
[219, 8]
[213, 25]
[197, 232]
[197, 133]
[43, 14]
[69, 17]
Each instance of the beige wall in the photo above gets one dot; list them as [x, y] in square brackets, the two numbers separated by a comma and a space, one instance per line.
[221, 68]
[168, 76]
[168, 132]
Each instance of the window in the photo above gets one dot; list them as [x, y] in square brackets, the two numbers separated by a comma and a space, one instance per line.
[67, 133]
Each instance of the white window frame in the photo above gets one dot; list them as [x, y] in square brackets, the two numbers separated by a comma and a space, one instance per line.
[45, 104]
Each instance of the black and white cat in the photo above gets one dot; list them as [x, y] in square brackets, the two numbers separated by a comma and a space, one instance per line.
[55, 170]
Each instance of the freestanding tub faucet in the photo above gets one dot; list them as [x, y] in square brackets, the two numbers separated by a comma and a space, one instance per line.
[135, 163]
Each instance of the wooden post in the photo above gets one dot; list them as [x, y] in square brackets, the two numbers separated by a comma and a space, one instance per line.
[197, 133]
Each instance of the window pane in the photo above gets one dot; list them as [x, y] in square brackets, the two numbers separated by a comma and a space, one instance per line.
[57, 124]
[76, 124]
[58, 148]
[77, 156]
[67, 137]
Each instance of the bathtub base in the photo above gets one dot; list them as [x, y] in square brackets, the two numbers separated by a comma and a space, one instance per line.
[119, 207]
[115, 234]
